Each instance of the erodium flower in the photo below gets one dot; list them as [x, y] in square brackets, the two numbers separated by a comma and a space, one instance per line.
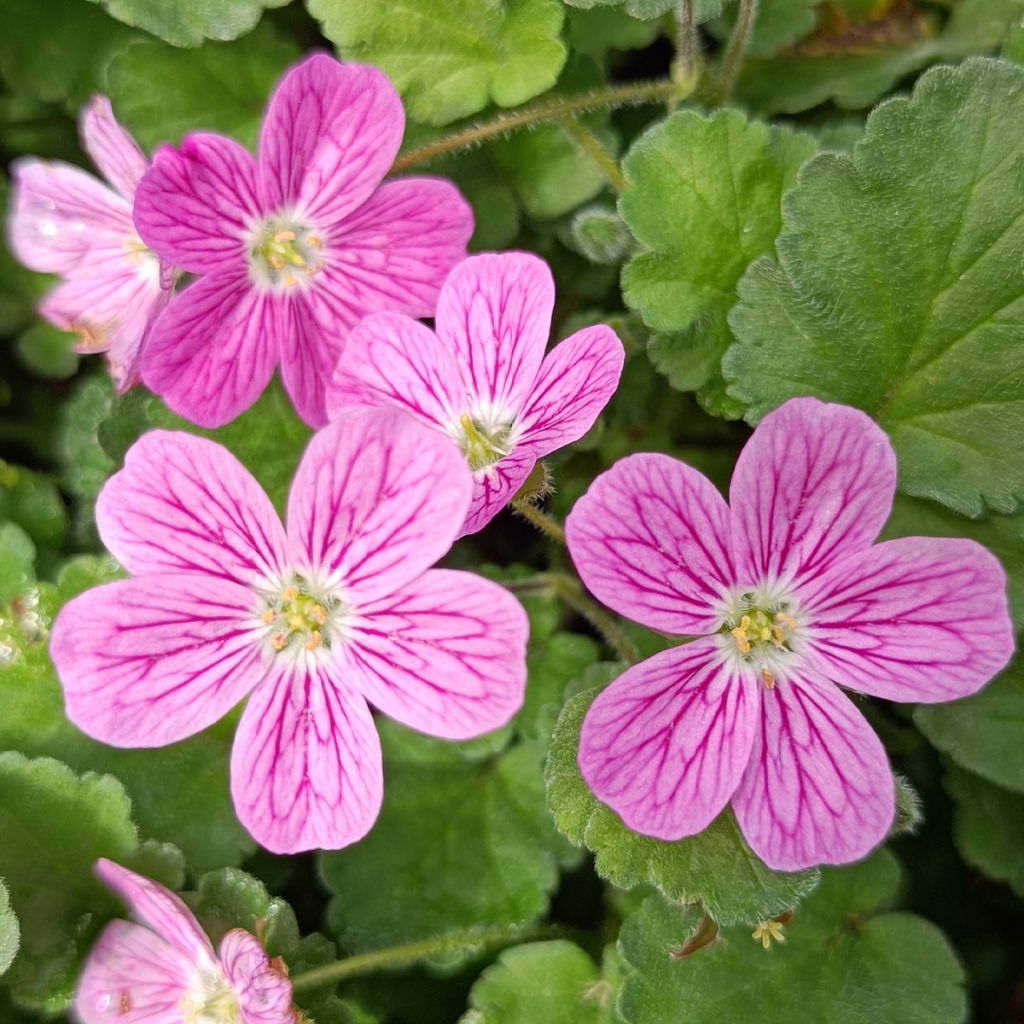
[483, 379]
[294, 247]
[789, 601]
[312, 622]
[164, 970]
[64, 221]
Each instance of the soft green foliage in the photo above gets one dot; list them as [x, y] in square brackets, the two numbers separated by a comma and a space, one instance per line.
[702, 9]
[896, 290]
[715, 868]
[47, 351]
[10, 933]
[843, 961]
[704, 197]
[17, 559]
[230, 898]
[450, 58]
[600, 234]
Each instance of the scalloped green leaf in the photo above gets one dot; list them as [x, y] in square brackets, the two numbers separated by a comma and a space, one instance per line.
[895, 288]
[843, 961]
[715, 868]
[230, 898]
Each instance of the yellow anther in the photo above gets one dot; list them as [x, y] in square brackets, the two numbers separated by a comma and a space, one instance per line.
[289, 593]
[313, 241]
[268, 616]
[279, 642]
[275, 261]
[318, 614]
[767, 932]
[745, 622]
[778, 637]
[314, 640]
[768, 679]
[786, 619]
[291, 280]
[740, 635]
[284, 236]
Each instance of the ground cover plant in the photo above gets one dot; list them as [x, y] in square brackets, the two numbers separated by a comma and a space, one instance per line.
[511, 511]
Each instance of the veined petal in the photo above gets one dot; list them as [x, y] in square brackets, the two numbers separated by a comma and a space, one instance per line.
[495, 486]
[818, 789]
[494, 313]
[650, 539]
[577, 378]
[148, 661]
[306, 765]
[329, 136]
[183, 504]
[212, 351]
[158, 909]
[393, 360]
[110, 147]
[196, 204]
[377, 499]
[261, 984]
[445, 654]
[914, 619]
[813, 484]
[309, 352]
[666, 743]
[133, 977]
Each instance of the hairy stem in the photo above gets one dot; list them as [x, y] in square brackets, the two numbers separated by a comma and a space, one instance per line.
[570, 590]
[546, 524]
[686, 42]
[735, 47]
[594, 148]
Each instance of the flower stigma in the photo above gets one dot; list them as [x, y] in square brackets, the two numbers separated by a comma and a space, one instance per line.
[483, 443]
[283, 253]
[300, 617]
[759, 631]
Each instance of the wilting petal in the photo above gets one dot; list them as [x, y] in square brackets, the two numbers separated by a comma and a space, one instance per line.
[495, 314]
[261, 984]
[666, 743]
[306, 765]
[915, 619]
[196, 204]
[576, 380]
[183, 504]
[158, 909]
[132, 977]
[446, 654]
[377, 499]
[309, 352]
[495, 486]
[111, 148]
[813, 484]
[151, 660]
[60, 214]
[818, 789]
[211, 353]
[393, 360]
[650, 539]
[328, 138]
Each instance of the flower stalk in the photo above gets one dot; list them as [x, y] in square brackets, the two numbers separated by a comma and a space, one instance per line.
[735, 48]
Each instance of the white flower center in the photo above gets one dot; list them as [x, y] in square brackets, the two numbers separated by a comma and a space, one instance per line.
[283, 253]
[210, 1000]
[485, 437]
[760, 629]
[302, 616]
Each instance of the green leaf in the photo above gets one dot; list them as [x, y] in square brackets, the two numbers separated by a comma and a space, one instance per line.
[988, 827]
[10, 932]
[48, 351]
[646, 9]
[842, 962]
[56, 824]
[446, 853]
[704, 197]
[17, 561]
[895, 288]
[715, 868]
[33, 502]
[776, 25]
[451, 58]
[189, 22]
[596, 31]
[230, 898]
[551, 664]
[160, 93]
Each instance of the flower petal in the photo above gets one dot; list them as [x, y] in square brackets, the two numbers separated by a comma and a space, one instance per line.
[577, 378]
[261, 984]
[495, 314]
[309, 353]
[915, 619]
[393, 360]
[159, 909]
[111, 148]
[306, 765]
[666, 743]
[377, 499]
[183, 504]
[133, 977]
[650, 539]
[196, 204]
[495, 486]
[211, 353]
[814, 483]
[148, 661]
[329, 136]
[818, 789]
[446, 654]
[59, 214]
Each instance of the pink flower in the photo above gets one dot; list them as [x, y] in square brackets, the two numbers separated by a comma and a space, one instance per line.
[164, 970]
[789, 601]
[63, 221]
[483, 379]
[313, 621]
[294, 247]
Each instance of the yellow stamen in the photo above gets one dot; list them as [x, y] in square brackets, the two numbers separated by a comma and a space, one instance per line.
[314, 640]
[318, 615]
[768, 679]
[279, 642]
[767, 932]
[313, 241]
[786, 619]
[291, 280]
[268, 616]
[289, 593]
[284, 236]
[740, 635]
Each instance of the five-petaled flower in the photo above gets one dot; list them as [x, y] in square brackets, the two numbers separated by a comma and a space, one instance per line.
[312, 622]
[483, 379]
[291, 248]
[64, 221]
[164, 970]
[789, 601]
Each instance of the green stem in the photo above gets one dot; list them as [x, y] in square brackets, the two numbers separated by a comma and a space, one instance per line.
[686, 42]
[570, 590]
[594, 148]
[552, 109]
[546, 524]
[735, 47]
